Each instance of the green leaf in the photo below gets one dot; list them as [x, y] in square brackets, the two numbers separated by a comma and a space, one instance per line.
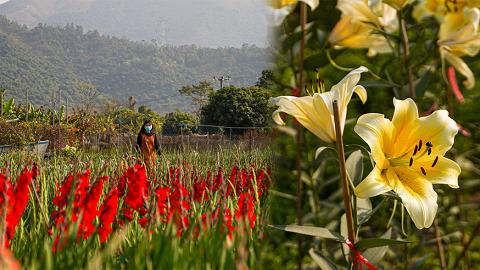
[354, 166]
[423, 83]
[377, 242]
[311, 230]
[375, 254]
[321, 149]
[282, 195]
[323, 262]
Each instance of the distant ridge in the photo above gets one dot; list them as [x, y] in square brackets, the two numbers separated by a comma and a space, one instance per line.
[45, 57]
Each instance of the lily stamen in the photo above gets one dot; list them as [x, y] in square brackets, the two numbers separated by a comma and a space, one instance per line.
[435, 162]
[423, 171]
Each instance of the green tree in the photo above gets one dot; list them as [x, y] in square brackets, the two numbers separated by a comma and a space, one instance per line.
[266, 80]
[199, 93]
[179, 123]
[238, 107]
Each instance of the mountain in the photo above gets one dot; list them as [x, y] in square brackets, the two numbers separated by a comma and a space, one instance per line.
[210, 23]
[45, 58]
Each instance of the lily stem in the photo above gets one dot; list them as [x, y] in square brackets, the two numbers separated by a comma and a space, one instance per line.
[440, 249]
[300, 84]
[406, 52]
[343, 174]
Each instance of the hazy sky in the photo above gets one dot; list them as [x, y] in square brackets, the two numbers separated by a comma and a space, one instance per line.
[210, 23]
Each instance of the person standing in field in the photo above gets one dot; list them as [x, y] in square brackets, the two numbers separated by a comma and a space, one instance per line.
[148, 145]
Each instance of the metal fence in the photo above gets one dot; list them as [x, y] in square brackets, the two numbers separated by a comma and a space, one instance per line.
[206, 137]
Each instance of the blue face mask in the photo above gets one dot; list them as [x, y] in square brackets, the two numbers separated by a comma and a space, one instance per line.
[148, 128]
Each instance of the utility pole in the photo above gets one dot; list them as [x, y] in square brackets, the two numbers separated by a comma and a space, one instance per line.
[66, 110]
[59, 105]
[2, 94]
[53, 107]
[221, 80]
[26, 104]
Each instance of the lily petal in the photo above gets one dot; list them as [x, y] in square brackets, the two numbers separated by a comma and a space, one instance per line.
[417, 195]
[461, 67]
[308, 112]
[376, 131]
[279, 4]
[343, 91]
[437, 128]
[441, 171]
[374, 184]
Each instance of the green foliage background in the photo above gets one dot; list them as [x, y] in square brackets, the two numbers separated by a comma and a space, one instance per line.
[322, 205]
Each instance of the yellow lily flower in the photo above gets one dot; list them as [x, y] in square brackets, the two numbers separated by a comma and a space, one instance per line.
[397, 4]
[316, 112]
[359, 23]
[281, 8]
[409, 157]
[459, 37]
[440, 8]
[279, 4]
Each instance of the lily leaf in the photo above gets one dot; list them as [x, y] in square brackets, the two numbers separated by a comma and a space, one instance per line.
[375, 254]
[311, 230]
[323, 262]
[321, 149]
[354, 166]
[378, 242]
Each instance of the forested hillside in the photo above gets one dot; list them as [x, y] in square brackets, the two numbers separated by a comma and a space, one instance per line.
[46, 58]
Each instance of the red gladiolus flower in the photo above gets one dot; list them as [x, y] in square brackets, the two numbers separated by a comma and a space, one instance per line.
[137, 187]
[232, 180]
[90, 209]
[218, 180]
[80, 194]
[143, 222]
[128, 214]
[61, 199]
[108, 211]
[246, 209]
[162, 196]
[199, 191]
[3, 184]
[227, 221]
[17, 201]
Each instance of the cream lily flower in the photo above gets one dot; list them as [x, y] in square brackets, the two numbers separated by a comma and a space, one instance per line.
[409, 157]
[358, 25]
[440, 8]
[397, 4]
[316, 112]
[459, 37]
[281, 8]
[279, 4]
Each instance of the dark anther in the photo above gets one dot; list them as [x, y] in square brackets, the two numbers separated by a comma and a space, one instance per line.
[415, 150]
[429, 151]
[429, 144]
[423, 171]
[435, 162]
[411, 162]
[419, 145]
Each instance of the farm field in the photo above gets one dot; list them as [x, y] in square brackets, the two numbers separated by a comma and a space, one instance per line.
[197, 210]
